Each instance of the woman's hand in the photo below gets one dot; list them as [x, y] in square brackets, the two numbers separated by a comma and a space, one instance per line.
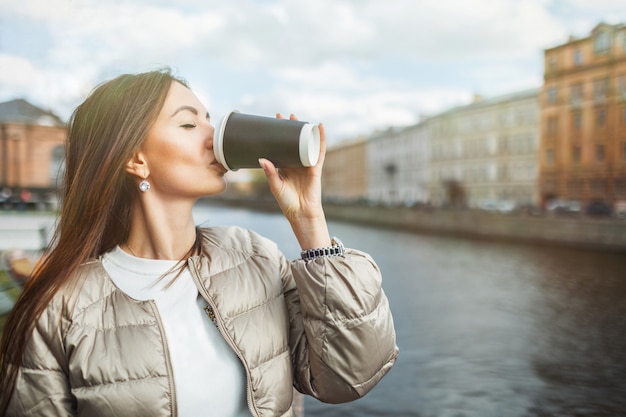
[298, 192]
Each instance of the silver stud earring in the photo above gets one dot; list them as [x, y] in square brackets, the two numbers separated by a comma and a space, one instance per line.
[144, 185]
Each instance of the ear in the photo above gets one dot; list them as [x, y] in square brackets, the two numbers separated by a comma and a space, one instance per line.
[137, 165]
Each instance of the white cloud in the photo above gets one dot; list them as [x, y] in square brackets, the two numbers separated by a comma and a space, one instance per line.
[17, 73]
[51, 89]
[329, 76]
[129, 34]
[41, 11]
[19, 78]
[347, 116]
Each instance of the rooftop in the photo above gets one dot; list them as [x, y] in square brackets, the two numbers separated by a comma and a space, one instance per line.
[21, 111]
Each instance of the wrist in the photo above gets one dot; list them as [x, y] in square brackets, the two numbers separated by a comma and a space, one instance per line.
[311, 233]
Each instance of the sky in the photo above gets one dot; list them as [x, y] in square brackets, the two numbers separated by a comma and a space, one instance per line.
[357, 66]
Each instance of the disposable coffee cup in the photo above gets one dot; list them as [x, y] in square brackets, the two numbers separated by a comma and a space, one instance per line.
[241, 139]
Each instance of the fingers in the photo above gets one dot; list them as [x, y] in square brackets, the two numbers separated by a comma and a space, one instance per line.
[320, 161]
[291, 116]
[271, 173]
[268, 167]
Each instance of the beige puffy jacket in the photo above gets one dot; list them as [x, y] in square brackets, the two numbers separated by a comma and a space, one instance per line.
[324, 327]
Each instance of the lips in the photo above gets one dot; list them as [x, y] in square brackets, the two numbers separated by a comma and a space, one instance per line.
[219, 166]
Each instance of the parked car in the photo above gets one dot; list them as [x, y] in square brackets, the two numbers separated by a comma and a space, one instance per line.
[599, 208]
[620, 209]
[497, 206]
[564, 207]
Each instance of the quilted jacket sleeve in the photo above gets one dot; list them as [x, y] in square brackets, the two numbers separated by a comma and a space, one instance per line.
[42, 388]
[342, 334]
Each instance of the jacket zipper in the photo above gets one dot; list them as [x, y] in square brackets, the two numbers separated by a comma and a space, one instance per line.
[168, 359]
[217, 320]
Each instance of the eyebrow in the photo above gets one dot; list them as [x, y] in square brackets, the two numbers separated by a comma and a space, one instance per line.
[190, 109]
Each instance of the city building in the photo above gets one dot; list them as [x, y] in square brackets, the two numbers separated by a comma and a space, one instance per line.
[583, 113]
[345, 172]
[469, 156]
[399, 168]
[486, 152]
[31, 151]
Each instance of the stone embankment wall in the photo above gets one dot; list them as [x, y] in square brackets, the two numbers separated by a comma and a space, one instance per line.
[583, 232]
[579, 231]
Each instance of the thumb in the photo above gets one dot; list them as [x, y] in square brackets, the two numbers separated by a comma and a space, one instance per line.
[270, 173]
[267, 166]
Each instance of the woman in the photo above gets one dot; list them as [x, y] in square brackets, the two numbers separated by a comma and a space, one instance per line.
[135, 311]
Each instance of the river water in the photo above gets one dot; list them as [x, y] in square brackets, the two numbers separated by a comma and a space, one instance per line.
[484, 329]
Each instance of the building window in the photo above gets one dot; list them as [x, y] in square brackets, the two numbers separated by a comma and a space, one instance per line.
[578, 57]
[553, 126]
[600, 90]
[620, 188]
[503, 142]
[577, 120]
[602, 42]
[576, 94]
[550, 157]
[551, 64]
[576, 154]
[552, 95]
[600, 153]
[600, 118]
[503, 172]
[621, 85]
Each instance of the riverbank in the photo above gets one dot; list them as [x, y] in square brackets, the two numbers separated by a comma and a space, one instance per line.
[31, 231]
[607, 234]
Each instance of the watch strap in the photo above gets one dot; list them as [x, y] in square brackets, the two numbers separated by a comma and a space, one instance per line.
[336, 249]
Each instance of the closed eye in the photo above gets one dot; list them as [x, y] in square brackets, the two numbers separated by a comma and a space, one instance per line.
[188, 126]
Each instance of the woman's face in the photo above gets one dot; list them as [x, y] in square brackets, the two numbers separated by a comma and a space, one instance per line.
[179, 149]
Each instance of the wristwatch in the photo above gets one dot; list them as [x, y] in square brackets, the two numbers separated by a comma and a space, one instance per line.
[335, 249]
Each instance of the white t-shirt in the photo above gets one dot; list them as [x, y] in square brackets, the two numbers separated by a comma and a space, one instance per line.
[209, 377]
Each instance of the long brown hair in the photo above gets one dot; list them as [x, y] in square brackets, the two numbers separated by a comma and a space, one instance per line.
[103, 133]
